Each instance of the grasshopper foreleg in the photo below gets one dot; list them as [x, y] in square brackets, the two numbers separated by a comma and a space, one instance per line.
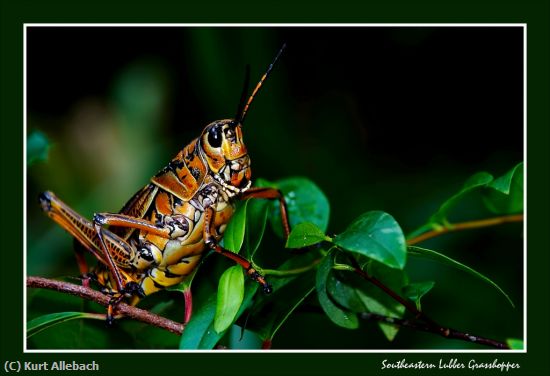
[271, 194]
[212, 243]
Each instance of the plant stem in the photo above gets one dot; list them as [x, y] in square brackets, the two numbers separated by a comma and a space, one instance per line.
[100, 298]
[366, 276]
[290, 272]
[420, 321]
[445, 332]
[465, 226]
[266, 344]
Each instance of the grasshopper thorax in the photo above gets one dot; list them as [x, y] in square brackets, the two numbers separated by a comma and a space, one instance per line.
[226, 155]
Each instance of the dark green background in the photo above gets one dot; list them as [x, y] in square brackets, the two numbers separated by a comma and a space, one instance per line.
[307, 104]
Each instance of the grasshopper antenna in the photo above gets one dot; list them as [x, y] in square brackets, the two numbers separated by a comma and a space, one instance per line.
[240, 118]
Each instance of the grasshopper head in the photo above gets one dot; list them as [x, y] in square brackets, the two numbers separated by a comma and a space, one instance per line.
[222, 141]
[226, 154]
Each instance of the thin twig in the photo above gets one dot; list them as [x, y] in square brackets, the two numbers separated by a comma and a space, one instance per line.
[447, 333]
[100, 298]
[395, 296]
[465, 226]
[421, 321]
[291, 272]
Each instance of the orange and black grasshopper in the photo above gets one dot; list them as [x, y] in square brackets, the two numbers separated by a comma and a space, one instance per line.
[159, 236]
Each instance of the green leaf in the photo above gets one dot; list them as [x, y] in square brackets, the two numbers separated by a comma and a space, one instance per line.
[515, 344]
[374, 306]
[305, 234]
[47, 321]
[262, 183]
[38, 147]
[436, 256]
[340, 317]
[504, 195]
[415, 291]
[344, 294]
[238, 338]
[376, 235]
[83, 334]
[381, 303]
[233, 235]
[305, 203]
[199, 332]
[72, 334]
[478, 180]
[230, 298]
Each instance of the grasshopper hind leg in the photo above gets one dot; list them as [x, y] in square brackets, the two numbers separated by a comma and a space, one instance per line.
[113, 280]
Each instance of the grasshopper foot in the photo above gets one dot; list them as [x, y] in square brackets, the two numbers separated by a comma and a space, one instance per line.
[256, 276]
[113, 302]
[133, 289]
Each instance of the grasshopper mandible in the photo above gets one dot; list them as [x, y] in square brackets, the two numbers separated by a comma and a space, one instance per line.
[159, 236]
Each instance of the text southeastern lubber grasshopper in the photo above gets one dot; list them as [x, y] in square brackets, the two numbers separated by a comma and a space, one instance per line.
[159, 236]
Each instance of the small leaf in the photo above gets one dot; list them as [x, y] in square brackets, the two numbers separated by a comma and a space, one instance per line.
[415, 291]
[340, 317]
[504, 182]
[47, 321]
[381, 303]
[376, 235]
[305, 234]
[198, 333]
[247, 223]
[478, 180]
[230, 298]
[38, 147]
[515, 344]
[375, 306]
[504, 195]
[344, 294]
[233, 235]
[305, 203]
[436, 256]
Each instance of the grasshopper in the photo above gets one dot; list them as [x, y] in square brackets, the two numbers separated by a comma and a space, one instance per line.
[161, 233]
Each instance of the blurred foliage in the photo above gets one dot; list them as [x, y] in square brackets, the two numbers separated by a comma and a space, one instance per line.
[390, 120]
[38, 147]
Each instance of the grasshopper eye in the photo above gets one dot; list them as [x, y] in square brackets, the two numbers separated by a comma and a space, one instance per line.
[215, 137]
[230, 134]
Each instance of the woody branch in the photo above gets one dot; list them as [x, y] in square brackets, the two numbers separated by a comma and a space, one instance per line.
[100, 298]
